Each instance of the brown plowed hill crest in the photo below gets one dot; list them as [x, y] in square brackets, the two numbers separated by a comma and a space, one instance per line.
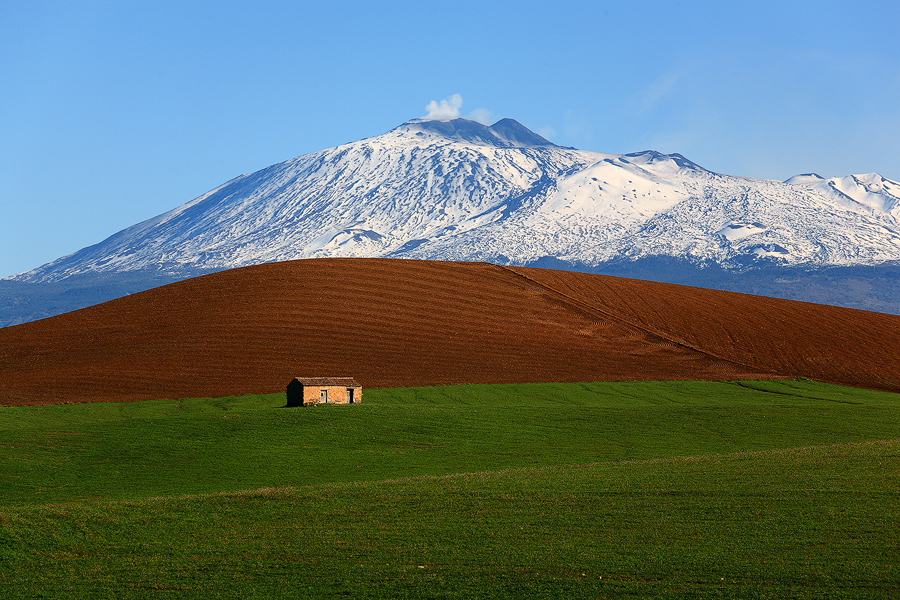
[393, 323]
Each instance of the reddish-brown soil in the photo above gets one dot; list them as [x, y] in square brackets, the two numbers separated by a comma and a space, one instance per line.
[395, 323]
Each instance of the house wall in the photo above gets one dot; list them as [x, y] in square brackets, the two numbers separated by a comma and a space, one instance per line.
[336, 394]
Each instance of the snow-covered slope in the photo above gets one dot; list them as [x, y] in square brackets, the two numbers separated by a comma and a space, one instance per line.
[459, 190]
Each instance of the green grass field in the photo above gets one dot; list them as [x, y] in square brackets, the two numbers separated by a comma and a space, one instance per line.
[779, 489]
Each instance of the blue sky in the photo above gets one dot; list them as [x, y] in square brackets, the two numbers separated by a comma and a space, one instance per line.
[113, 112]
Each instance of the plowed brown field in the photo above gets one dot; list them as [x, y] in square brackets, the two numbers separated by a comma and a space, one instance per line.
[402, 323]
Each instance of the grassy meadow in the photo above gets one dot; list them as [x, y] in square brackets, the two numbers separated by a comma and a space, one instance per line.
[776, 489]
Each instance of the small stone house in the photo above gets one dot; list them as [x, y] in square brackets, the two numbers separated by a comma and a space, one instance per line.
[305, 391]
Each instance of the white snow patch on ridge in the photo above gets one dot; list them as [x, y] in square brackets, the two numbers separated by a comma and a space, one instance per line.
[738, 231]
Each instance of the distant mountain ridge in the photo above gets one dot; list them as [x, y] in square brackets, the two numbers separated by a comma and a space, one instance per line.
[459, 190]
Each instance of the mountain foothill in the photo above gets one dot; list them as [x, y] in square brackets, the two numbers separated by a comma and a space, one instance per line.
[397, 323]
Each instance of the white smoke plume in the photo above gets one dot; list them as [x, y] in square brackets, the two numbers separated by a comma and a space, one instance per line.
[445, 109]
[482, 115]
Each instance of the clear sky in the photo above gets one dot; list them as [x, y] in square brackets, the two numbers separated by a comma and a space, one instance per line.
[112, 112]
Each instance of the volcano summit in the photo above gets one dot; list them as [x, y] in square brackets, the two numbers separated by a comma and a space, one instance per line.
[459, 190]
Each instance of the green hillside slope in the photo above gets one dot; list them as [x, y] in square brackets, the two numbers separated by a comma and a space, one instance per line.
[781, 489]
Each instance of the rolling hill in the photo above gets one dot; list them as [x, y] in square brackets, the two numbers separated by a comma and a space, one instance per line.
[393, 323]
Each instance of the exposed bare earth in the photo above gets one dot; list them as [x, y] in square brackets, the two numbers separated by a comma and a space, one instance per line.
[395, 323]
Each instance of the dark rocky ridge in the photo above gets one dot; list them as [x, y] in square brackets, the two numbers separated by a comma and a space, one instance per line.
[505, 133]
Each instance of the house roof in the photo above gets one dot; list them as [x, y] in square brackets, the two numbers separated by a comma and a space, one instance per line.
[341, 381]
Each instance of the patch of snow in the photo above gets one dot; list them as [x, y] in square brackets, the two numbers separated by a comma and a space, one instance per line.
[738, 231]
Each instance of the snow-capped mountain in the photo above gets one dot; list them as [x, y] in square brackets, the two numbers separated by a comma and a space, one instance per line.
[459, 190]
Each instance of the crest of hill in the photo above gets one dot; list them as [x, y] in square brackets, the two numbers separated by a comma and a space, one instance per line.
[393, 323]
[505, 133]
